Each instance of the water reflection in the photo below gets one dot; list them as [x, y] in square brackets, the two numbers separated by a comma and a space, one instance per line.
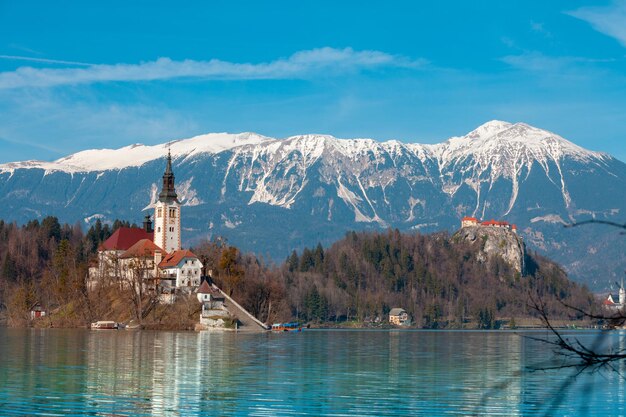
[317, 373]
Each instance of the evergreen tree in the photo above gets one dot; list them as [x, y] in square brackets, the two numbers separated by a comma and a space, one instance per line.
[293, 261]
[9, 269]
[51, 228]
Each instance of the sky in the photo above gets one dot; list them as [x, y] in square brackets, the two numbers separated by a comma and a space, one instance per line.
[77, 75]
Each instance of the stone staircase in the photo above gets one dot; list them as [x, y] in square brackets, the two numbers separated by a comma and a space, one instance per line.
[247, 321]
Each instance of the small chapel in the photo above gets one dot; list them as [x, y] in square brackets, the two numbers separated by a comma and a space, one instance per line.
[151, 255]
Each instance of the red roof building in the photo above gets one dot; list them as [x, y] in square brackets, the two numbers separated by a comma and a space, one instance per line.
[205, 288]
[183, 266]
[495, 223]
[469, 221]
[145, 248]
[173, 259]
[608, 302]
[124, 238]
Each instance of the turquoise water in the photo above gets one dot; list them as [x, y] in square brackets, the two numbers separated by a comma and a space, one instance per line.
[314, 373]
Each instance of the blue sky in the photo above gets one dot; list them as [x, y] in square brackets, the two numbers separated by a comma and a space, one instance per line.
[78, 75]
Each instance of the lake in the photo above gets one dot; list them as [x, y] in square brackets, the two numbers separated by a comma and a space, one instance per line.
[69, 372]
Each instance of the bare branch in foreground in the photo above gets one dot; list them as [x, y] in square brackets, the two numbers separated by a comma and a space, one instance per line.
[594, 221]
[583, 357]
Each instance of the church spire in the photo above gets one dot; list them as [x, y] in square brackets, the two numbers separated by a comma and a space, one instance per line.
[168, 168]
[168, 192]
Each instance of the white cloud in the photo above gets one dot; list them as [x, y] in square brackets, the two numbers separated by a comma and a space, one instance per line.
[303, 64]
[537, 62]
[43, 60]
[610, 20]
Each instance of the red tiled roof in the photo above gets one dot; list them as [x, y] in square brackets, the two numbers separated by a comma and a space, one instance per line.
[204, 288]
[124, 238]
[494, 223]
[144, 248]
[175, 257]
[474, 219]
[608, 302]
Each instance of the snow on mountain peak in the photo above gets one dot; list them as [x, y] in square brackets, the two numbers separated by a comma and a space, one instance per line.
[504, 142]
[488, 129]
[495, 142]
[139, 154]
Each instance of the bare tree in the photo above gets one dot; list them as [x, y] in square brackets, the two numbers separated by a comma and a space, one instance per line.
[139, 281]
[594, 356]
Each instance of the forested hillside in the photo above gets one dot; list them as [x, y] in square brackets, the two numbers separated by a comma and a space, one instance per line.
[439, 280]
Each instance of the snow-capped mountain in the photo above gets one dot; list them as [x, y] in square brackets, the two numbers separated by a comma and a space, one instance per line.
[274, 195]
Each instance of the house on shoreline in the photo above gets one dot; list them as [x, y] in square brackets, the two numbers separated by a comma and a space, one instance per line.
[399, 317]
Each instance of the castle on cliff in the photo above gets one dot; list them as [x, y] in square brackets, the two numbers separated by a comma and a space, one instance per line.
[473, 221]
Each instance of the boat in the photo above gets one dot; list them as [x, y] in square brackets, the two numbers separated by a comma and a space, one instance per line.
[133, 325]
[287, 327]
[101, 325]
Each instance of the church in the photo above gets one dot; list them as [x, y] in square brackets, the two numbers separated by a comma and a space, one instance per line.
[151, 256]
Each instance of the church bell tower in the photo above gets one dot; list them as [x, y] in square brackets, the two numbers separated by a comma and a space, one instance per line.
[167, 213]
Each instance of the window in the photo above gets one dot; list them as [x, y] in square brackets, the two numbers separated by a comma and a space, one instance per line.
[159, 212]
[172, 212]
[158, 229]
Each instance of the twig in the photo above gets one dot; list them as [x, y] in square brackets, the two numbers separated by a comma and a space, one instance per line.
[587, 357]
[594, 221]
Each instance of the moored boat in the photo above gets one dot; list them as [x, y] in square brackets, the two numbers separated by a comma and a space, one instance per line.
[286, 327]
[105, 324]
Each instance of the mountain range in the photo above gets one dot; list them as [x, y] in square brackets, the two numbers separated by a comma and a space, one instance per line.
[272, 196]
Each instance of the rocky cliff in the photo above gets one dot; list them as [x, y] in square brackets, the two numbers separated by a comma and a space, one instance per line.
[495, 241]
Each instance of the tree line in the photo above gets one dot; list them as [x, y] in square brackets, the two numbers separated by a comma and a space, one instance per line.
[47, 262]
[439, 281]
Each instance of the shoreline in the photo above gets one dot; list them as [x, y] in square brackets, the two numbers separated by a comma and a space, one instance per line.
[557, 324]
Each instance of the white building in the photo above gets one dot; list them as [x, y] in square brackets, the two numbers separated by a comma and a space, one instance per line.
[182, 267]
[399, 317]
[610, 304]
[140, 261]
[151, 255]
[167, 213]
[109, 265]
[469, 221]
